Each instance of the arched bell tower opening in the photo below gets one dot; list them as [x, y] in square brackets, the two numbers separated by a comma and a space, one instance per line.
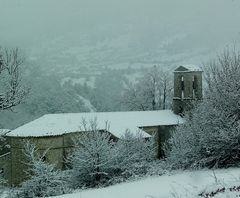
[187, 88]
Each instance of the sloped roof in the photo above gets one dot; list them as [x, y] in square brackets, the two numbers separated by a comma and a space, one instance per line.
[4, 131]
[119, 122]
[187, 68]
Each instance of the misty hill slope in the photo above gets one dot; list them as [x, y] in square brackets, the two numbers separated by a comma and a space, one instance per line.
[80, 54]
[78, 37]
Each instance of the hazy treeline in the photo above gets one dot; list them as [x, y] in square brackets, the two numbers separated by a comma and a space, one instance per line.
[49, 95]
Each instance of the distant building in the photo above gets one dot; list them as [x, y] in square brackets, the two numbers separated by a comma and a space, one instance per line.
[57, 131]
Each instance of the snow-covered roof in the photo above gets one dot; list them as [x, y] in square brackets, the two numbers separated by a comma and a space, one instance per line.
[189, 68]
[119, 122]
[4, 131]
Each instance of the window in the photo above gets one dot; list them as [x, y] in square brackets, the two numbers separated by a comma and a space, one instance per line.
[194, 82]
[182, 83]
[182, 87]
[180, 110]
[194, 86]
[44, 158]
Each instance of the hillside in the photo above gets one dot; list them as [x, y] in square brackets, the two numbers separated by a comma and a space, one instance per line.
[185, 184]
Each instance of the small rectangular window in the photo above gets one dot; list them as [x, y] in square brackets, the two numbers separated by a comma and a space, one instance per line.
[194, 83]
[182, 85]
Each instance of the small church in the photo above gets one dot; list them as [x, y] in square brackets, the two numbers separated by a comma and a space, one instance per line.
[56, 132]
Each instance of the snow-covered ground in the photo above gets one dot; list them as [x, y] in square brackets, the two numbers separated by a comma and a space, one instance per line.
[186, 184]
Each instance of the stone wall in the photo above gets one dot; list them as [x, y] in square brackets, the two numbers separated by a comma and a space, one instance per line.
[184, 104]
[57, 147]
[18, 161]
[162, 134]
[69, 139]
[5, 164]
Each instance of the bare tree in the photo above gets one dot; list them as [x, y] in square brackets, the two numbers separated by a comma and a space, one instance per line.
[11, 90]
[166, 87]
[151, 92]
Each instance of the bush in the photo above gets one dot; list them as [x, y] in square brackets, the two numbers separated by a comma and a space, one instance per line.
[99, 161]
[93, 160]
[135, 153]
[2, 183]
[44, 180]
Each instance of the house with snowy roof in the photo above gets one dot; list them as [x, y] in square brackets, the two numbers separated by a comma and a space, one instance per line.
[56, 132]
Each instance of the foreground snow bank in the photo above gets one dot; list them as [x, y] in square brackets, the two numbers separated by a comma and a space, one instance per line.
[182, 184]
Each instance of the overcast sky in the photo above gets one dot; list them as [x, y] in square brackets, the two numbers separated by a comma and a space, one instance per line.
[210, 22]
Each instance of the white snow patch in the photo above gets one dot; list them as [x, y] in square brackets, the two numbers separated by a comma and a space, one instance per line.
[81, 81]
[132, 78]
[186, 184]
[87, 104]
[57, 124]
[4, 131]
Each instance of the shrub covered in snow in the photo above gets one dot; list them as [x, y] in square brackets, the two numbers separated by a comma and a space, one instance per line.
[3, 143]
[135, 154]
[44, 180]
[2, 183]
[94, 158]
[97, 160]
[211, 135]
[3, 153]
[221, 189]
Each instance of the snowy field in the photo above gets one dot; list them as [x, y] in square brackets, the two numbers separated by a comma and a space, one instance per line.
[179, 185]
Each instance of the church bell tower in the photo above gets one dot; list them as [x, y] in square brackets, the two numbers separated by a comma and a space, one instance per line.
[187, 87]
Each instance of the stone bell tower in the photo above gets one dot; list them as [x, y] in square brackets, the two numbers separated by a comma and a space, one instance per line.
[187, 87]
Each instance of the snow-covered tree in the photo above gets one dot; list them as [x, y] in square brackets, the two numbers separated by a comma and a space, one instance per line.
[93, 160]
[134, 153]
[11, 90]
[2, 140]
[98, 160]
[210, 136]
[152, 91]
[44, 180]
[2, 183]
[3, 152]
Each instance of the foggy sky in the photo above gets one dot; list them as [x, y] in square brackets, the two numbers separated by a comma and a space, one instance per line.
[211, 23]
